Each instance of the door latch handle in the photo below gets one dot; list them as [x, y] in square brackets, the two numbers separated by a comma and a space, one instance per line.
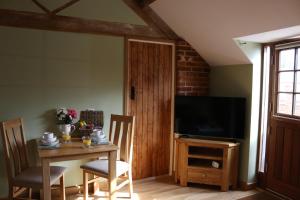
[132, 93]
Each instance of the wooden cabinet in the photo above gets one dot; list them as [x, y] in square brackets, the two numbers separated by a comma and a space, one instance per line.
[194, 159]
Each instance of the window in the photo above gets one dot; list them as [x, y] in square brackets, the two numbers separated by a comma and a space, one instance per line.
[288, 82]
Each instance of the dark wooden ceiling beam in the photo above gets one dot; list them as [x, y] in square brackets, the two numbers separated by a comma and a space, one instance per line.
[143, 10]
[41, 6]
[145, 2]
[66, 5]
[24, 19]
[57, 10]
[150, 1]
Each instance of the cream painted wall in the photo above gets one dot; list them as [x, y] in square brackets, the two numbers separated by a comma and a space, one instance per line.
[43, 70]
[235, 81]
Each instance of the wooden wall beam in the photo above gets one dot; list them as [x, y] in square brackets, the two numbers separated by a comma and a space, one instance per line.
[33, 20]
[143, 10]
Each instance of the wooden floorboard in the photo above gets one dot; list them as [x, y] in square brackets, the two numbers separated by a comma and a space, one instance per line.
[164, 189]
[261, 196]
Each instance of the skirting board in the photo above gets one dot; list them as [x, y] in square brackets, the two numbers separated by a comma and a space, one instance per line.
[247, 186]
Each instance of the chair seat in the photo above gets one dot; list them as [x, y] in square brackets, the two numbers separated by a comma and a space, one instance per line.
[33, 176]
[101, 166]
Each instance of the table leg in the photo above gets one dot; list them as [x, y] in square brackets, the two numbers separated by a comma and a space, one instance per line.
[46, 179]
[112, 179]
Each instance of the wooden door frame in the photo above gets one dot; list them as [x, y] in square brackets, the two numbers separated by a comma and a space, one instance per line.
[272, 110]
[261, 177]
[127, 84]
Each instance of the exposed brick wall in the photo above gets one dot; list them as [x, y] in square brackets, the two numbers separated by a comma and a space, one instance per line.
[192, 71]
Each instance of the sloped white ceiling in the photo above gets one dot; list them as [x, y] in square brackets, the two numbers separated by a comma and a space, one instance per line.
[211, 26]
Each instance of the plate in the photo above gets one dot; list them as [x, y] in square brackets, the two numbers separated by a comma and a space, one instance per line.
[99, 143]
[49, 140]
[49, 147]
[43, 143]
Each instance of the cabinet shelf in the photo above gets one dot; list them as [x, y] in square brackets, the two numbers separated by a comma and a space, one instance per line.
[208, 157]
[204, 163]
[196, 167]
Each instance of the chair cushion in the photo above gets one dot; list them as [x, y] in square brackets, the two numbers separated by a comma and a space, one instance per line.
[33, 176]
[101, 166]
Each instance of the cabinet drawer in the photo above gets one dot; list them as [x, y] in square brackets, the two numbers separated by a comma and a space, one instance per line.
[206, 176]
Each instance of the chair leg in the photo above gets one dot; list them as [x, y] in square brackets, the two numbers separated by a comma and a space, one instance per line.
[11, 192]
[30, 193]
[96, 185]
[41, 194]
[130, 184]
[85, 185]
[62, 188]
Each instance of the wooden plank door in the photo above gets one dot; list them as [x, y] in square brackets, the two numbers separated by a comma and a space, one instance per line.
[149, 96]
[283, 140]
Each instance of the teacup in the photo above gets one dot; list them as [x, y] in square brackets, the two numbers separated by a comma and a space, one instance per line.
[48, 136]
[97, 131]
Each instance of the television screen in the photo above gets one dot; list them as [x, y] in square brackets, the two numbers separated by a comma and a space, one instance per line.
[210, 116]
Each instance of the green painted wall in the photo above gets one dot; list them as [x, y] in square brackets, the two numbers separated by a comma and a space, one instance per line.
[235, 81]
[253, 52]
[108, 10]
[43, 70]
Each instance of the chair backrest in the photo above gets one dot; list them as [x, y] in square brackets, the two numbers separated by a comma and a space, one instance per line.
[91, 116]
[14, 143]
[121, 133]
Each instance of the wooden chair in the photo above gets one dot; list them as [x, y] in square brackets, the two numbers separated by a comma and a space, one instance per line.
[121, 133]
[20, 175]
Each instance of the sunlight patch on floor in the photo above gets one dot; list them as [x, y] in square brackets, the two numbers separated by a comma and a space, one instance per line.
[104, 196]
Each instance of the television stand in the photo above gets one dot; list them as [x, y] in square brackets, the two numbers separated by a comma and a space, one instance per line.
[233, 140]
[194, 159]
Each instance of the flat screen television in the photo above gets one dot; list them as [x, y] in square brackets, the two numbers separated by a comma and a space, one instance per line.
[210, 116]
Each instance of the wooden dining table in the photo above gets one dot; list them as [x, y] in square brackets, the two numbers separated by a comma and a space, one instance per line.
[75, 150]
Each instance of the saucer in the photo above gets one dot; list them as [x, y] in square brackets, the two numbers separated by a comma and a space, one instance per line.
[99, 140]
[45, 143]
[49, 147]
[99, 143]
[48, 140]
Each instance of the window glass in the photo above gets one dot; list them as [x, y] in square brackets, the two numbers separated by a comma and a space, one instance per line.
[285, 81]
[297, 105]
[298, 58]
[297, 81]
[286, 59]
[285, 103]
